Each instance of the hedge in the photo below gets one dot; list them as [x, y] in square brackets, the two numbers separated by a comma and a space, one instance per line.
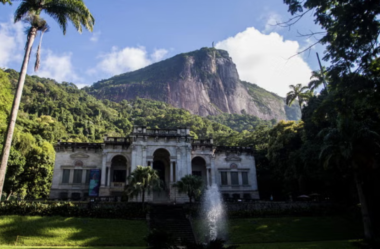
[69, 209]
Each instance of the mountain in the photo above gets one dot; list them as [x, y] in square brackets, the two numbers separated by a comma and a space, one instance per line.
[204, 82]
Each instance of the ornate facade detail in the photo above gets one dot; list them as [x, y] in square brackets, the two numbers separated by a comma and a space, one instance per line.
[233, 158]
[172, 152]
[79, 155]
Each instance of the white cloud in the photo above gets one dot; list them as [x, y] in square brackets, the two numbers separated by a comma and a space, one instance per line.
[12, 43]
[271, 21]
[127, 59]
[57, 67]
[158, 54]
[264, 60]
[95, 36]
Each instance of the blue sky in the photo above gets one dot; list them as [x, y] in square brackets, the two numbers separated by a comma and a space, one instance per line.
[132, 34]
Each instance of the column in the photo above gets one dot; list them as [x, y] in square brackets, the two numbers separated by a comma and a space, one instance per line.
[188, 158]
[103, 174]
[171, 172]
[228, 177]
[212, 171]
[109, 176]
[133, 159]
[143, 155]
[174, 171]
[207, 177]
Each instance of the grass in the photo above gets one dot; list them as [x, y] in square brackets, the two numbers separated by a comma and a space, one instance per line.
[260, 233]
[70, 247]
[290, 229]
[61, 231]
[303, 245]
[292, 232]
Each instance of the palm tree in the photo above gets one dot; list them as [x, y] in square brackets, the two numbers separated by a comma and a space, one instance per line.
[318, 78]
[62, 11]
[6, 1]
[353, 144]
[191, 185]
[142, 180]
[297, 93]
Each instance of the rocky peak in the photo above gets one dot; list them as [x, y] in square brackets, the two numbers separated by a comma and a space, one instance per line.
[205, 82]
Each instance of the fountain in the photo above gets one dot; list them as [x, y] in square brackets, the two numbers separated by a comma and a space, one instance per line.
[213, 213]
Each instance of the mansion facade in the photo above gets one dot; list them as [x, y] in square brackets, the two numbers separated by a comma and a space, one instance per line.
[172, 152]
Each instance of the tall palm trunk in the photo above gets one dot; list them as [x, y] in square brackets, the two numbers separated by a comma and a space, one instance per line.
[367, 223]
[143, 198]
[16, 103]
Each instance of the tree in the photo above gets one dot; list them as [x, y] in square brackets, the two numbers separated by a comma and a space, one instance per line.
[351, 33]
[190, 185]
[353, 143]
[143, 180]
[297, 93]
[317, 79]
[6, 1]
[29, 10]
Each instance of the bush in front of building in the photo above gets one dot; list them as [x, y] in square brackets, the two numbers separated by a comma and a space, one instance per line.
[265, 209]
[69, 209]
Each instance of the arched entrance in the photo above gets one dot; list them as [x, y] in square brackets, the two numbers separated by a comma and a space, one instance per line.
[118, 171]
[198, 168]
[161, 163]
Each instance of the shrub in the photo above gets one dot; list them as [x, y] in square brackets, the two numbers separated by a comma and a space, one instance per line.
[69, 209]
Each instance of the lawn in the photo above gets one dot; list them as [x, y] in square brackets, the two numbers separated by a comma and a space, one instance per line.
[292, 232]
[61, 231]
[65, 247]
[303, 245]
[70, 247]
[290, 229]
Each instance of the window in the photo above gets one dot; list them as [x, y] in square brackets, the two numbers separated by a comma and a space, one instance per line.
[224, 178]
[63, 195]
[88, 176]
[234, 178]
[245, 177]
[119, 175]
[66, 176]
[75, 196]
[77, 176]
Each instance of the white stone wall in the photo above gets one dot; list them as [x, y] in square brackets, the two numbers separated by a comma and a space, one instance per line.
[245, 163]
[141, 152]
[65, 159]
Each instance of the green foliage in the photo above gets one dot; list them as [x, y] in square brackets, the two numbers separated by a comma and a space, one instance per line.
[5, 98]
[298, 93]
[190, 185]
[241, 122]
[62, 11]
[141, 181]
[344, 122]
[68, 209]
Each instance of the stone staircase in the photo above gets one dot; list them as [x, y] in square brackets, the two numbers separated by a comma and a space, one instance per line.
[172, 219]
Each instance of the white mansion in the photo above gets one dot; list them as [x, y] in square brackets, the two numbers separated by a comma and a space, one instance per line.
[172, 152]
